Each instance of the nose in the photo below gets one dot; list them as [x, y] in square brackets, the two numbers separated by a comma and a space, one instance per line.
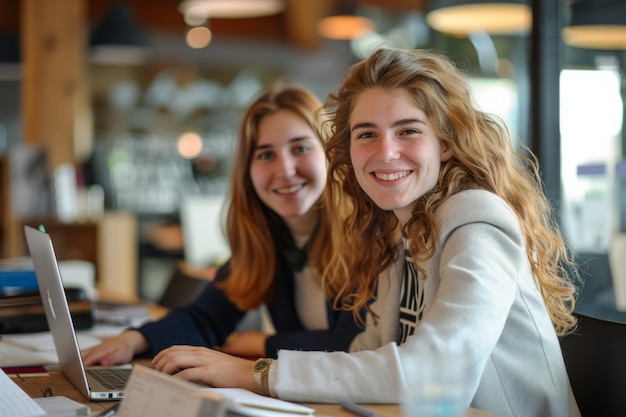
[286, 165]
[387, 148]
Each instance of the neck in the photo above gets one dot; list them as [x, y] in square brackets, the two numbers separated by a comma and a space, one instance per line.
[304, 224]
[403, 216]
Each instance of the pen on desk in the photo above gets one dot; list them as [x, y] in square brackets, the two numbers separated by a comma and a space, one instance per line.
[109, 412]
[357, 409]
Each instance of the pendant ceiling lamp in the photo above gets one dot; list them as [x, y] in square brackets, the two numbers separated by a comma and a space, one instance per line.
[118, 39]
[464, 17]
[345, 23]
[231, 9]
[596, 24]
[344, 27]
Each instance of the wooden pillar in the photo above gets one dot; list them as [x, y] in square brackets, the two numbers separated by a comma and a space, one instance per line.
[55, 102]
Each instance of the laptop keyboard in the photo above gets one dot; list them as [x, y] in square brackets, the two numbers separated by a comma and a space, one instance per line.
[111, 378]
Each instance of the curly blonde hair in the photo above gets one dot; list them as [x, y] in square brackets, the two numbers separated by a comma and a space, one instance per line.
[484, 157]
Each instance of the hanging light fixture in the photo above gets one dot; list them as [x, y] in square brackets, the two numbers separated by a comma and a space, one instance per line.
[344, 27]
[464, 17]
[345, 23]
[230, 9]
[596, 24]
[117, 39]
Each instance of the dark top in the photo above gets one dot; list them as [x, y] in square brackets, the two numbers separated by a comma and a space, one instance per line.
[212, 317]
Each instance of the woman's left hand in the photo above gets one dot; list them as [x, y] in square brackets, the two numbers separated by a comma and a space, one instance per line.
[206, 365]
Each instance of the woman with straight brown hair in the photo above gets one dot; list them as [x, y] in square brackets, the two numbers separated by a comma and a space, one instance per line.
[278, 237]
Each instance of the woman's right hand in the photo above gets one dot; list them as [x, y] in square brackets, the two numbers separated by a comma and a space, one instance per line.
[209, 366]
[116, 350]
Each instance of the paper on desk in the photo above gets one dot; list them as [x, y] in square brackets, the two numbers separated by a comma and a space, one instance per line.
[26, 349]
[13, 355]
[60, 406]
[43, 342]
[14, 402]
[251, 404]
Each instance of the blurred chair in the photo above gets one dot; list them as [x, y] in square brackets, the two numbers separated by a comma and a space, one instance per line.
[595, 357]
[182, 288]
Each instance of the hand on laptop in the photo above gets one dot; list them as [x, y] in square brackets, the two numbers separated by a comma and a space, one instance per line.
[206, 365]
[117, 350]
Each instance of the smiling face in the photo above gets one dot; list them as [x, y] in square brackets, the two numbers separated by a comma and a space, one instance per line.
[288, 169]
[395, 154]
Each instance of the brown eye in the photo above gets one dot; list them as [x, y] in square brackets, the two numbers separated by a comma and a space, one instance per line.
[264, 155]
[300, 149]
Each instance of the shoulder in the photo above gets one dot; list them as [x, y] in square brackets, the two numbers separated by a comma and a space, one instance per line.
[475, 206]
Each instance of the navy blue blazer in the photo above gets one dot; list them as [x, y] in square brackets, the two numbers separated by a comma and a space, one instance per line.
[212, 317]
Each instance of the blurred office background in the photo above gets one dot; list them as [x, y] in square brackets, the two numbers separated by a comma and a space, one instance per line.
[129, 110]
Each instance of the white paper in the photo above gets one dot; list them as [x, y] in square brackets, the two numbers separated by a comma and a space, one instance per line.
[13, 355]
[43, 342]
[14, 402]
[24, 349]
[62, 406]
[150, 393]
[254, 404]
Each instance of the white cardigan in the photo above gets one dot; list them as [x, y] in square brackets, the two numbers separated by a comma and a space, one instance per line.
[479, 291]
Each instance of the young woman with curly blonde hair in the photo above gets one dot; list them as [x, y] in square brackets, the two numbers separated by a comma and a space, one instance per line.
[452, 237]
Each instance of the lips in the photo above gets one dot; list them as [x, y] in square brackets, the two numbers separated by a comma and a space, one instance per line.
[391, 176]
[289, 190]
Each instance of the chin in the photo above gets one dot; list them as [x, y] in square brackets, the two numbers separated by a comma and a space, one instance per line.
[387, 205]
[287, 214]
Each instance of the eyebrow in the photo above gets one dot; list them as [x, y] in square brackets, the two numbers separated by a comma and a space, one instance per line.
[290, 141]
[397, 123]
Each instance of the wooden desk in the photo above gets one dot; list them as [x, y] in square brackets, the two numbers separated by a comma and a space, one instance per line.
[56, 384]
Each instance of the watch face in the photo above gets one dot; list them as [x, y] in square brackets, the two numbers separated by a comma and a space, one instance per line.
[261, 364]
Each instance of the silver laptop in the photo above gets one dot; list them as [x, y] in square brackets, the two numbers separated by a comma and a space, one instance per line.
[98, 383]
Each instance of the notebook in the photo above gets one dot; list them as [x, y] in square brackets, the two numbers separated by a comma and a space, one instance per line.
[98, 383]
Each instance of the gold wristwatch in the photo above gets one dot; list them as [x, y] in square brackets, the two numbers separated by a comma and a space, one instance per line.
[260, 372]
